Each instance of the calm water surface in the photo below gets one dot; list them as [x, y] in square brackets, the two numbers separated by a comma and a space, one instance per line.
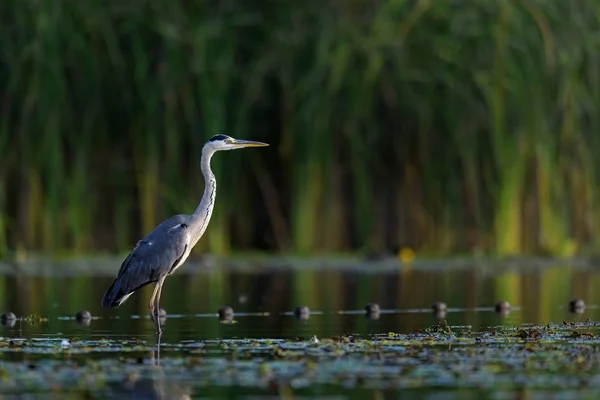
[264, 300]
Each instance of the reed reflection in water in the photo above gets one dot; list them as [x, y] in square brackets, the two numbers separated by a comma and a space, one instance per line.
[336, 299]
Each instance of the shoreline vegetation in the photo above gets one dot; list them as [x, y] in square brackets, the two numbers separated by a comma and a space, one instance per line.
[443, 127]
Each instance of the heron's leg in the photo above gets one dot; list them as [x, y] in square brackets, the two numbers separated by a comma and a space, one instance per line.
[156, 352]
[161, 281]
[151, 303]
[157, 304]
[154, 304]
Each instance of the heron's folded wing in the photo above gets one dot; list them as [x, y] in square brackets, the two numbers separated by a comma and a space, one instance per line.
[153, 257]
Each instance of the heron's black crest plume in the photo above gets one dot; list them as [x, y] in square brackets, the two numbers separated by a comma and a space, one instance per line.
[218, 137]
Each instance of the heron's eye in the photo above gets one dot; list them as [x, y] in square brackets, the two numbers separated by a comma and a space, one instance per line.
[228, 141]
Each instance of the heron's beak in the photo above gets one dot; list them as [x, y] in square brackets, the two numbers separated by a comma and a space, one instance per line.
[248, 143]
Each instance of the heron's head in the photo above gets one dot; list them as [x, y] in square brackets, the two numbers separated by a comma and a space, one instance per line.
[224, 142]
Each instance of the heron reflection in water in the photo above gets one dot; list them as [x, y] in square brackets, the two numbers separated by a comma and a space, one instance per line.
[157, 387]
[166, 248]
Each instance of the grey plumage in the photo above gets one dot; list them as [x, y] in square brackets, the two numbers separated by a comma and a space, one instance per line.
[167, 247]
[157, 254]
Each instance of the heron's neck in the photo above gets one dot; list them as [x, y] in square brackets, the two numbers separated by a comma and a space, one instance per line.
[203, 212]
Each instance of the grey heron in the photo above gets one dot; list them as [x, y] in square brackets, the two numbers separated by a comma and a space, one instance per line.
[167, 246]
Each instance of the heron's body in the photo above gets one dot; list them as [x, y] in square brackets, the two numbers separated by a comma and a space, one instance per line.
[162, 251]
[152, 257]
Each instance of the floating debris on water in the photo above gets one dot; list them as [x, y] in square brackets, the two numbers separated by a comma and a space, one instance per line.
[372, 308]
[8, 319]
[502, 307]
[440, 309]
[372, 311]
[83, 317]
[577, 306]
[438, 306]
[302, 312]
[226, 314]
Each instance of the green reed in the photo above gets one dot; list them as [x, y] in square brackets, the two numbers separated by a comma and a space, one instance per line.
[445, 126]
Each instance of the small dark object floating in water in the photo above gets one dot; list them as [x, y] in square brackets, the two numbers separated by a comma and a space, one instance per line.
[577, 306]
[441, 314]
[302, 312]
[439, 309]
[226, 313]
[84, 314]
[502, 307]
[8, 319]
[83, 317]
[372, 311]
[372, 308]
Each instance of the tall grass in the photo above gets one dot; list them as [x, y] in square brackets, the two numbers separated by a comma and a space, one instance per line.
[448, 126]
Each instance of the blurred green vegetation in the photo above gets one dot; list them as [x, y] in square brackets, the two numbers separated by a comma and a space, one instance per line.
[446, 126]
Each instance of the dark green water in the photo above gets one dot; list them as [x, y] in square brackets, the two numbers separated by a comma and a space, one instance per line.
[267, 351]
